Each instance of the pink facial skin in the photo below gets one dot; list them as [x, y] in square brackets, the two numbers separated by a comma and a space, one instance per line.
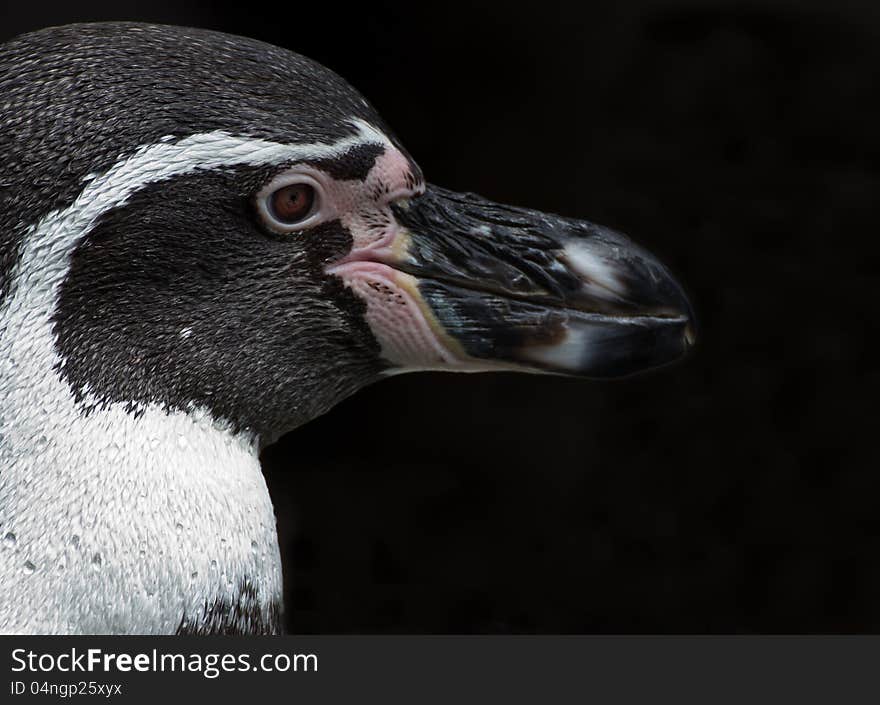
[409, 336]
[396, 315]
[365, 208]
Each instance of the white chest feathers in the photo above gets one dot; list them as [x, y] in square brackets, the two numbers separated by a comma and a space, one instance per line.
[123, 524]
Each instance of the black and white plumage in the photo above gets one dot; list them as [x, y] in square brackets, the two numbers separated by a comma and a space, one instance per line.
[159, 322]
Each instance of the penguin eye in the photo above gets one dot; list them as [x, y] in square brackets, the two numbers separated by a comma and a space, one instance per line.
[290, 203]
[293, 203]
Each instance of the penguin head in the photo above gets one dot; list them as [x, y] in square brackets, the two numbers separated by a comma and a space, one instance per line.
[220, 223]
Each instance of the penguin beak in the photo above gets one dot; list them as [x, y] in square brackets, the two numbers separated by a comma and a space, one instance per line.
[499, 287]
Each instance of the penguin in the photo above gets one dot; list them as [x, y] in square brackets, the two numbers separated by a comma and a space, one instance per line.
[205, 242]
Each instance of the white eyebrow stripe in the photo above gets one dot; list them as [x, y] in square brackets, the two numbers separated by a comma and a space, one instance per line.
[48, 244]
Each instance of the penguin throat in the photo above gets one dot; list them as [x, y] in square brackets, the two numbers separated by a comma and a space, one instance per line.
[122, 522]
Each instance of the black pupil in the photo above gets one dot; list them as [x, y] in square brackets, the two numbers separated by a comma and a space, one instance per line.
[293, 203]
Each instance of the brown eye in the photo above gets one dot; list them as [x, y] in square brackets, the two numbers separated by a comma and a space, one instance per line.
[292, 203]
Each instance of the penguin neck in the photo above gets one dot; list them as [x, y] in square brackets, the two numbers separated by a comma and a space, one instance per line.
[128, 520]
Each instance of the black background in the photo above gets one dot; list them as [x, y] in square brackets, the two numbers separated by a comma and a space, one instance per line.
[734, 492]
